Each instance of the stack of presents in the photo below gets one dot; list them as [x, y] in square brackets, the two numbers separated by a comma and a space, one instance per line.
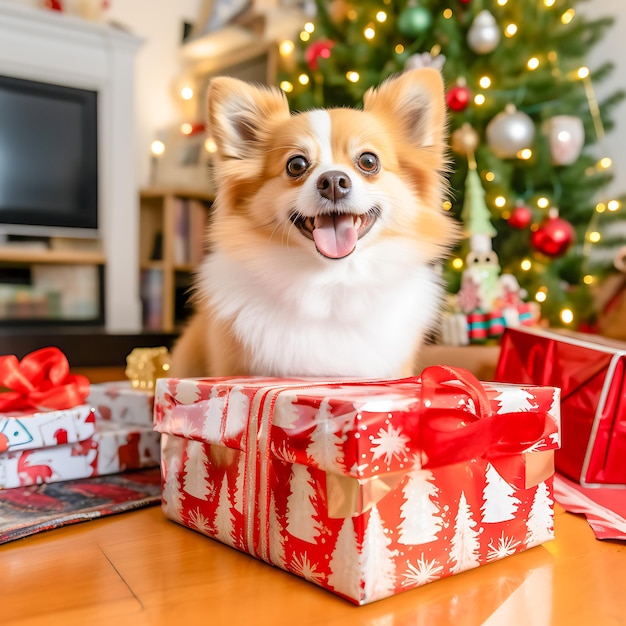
[365, 488]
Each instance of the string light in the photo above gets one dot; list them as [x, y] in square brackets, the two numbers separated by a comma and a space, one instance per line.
[502, 3]
[543, 203]
[614, 205]
[381, 17]
[594, 236]
[568, 16]
[186, 93]
[286, 47]
[600, 207]
[490, 177]
[588, 279]
[186, 128]
[309, 27]
[303, 79]
[353, 76]
[525, 154]
[605, 163]
[457, 263]
[485, 82]
[304, 36]
[541, 295]
[286, 86]
[209, 145]
[525, 265]
[157, 148]
[567, 316]
[532, 63]
[369, 33]
[447, 14]
[446, 205]
[549, 3]
[479, 99]
[399, 49]
[500, 201]
[510, 30]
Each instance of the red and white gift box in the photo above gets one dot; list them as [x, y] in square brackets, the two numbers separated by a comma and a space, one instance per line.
[367, 489]
[591, 372]
[109, 449]
[123, 403]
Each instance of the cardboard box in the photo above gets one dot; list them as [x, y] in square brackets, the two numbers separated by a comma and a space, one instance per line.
[590, 371]
[366, 489]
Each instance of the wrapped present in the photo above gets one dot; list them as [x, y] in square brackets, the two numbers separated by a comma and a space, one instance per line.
[112, 448]
[365, 488]
[591, 373]
[122, 402]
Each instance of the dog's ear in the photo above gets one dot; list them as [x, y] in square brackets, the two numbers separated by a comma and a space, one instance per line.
[239, 113]
[416, 99]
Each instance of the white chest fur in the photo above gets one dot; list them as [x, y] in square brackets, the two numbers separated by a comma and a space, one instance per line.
[358, 317]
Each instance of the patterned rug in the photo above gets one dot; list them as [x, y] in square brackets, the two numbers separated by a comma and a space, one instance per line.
[28, 510]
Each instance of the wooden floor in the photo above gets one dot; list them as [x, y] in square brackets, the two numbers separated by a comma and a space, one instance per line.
[139, 568]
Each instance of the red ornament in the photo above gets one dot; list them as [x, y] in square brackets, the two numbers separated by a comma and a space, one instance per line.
[521, 217]
[458, 97]
[316, 50]
[553, 237]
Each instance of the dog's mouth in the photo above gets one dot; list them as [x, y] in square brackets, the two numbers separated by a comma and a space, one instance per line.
[335, 234]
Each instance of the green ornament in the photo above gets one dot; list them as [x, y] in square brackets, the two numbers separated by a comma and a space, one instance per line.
[414, 21]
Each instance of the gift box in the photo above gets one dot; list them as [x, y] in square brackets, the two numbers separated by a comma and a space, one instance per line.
[122, 402]
[111, 448]
[590, 371]
[364, 488]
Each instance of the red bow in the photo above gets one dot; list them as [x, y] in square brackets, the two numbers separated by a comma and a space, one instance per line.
[471, 431]
[40, 381]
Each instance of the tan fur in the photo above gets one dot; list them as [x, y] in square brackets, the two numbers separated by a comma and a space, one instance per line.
[403, 122]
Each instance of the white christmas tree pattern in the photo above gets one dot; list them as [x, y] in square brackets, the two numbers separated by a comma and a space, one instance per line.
[196, 480]
[506, 546]
[237, 414]
[421, 520]
[540, 522]
[344, 574]
[198, 521]
[514, 400]
[377, 560]
[300, 505]
[276, 540]
[283, 453]
[499, 501]
[389, 443]
[302, 566]
[325, 447]
[422, 572]
[213, 414]
[465, 543]
[172, 497]
[224, 522]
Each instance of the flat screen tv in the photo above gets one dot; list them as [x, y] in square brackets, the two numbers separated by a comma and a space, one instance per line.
[48, 160]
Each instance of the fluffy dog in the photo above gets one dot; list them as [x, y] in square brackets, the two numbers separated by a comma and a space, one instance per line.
[327, 230]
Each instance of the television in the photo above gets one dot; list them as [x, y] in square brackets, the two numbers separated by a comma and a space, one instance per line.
[48, 160]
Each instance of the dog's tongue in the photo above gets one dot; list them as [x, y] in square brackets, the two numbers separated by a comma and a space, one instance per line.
[335, 235]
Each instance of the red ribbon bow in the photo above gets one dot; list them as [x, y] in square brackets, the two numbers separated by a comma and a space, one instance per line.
[40, 381]
[451, 435]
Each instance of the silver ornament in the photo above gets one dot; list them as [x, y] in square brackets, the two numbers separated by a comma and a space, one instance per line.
[509, 132]
[484, 35]
[566, 136]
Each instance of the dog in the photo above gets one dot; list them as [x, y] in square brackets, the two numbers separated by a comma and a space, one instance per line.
[327, 231]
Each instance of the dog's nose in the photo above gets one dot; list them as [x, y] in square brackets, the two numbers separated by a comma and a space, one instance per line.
[334, 185]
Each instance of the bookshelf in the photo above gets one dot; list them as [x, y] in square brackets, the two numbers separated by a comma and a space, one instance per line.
[172, 242]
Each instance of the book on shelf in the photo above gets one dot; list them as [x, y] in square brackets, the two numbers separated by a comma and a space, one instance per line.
[152, 298]
[190, 231]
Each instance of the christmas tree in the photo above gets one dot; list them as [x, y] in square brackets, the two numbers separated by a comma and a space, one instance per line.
[522, 114]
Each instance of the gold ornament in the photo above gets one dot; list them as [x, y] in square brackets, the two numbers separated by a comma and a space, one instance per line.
[145, 365]
[465, 140]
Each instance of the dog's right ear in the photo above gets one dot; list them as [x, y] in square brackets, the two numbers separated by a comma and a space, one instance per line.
[239, 113]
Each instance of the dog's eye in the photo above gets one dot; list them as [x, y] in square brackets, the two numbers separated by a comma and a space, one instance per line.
[296, 166]
[369, 163]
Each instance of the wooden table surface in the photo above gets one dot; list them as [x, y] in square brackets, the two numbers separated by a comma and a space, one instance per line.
[140, 568]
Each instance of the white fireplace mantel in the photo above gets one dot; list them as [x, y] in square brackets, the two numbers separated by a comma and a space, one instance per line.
[56, 48]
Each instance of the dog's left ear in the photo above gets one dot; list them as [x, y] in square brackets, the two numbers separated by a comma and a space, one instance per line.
[239, 113]
[416, 99]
